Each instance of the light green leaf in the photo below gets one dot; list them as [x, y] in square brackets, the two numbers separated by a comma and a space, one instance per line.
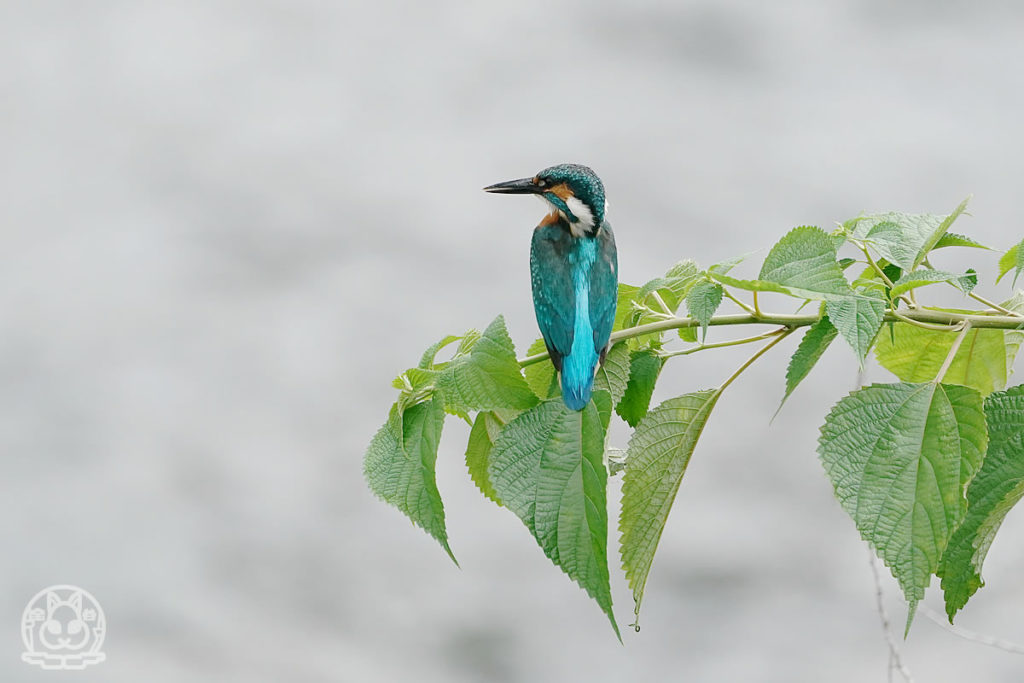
[644, 368]
[656, 460]
[858, 319]
[702, 301]
[899, 457]
[548, 467]
[1012, 260]
[902, 238]
[482, 436]
[672, 287]
[414, 379]
[817, 338]
[488, 377]
[427, 361]
[613, 375]
[723, 267]
[984, 360]
[996, 488]
[952, 239]
[928, 276]
[805, 259]
[399, 466]
[541, 377]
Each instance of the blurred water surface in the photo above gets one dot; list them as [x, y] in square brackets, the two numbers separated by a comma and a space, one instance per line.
[228, 225]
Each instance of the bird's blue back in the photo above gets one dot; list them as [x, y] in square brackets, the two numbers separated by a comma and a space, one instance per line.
[575, 286]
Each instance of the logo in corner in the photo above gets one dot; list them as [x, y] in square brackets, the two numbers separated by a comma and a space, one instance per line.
[63, 627]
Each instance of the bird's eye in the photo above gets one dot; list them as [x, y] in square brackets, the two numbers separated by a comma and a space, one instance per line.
[541, 182]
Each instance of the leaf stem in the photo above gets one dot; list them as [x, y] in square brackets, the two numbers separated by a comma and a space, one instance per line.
[994, 306]
[745, 306]
[871, 262]
[757, 309]
[965, 327]
[661, 302]
[760, 352]
[718, 345]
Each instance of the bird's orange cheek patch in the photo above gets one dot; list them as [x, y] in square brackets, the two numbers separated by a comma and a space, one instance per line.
[561, 191]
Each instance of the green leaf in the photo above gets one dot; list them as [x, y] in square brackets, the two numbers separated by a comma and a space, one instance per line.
[399, 466]
[427, 361]
[996, 488]
[644, 368]
[613, 375]
[905, 239]
[803, 264]
[488, 377]
[673, 287]
[702, 301]
[541, 377]
[899, 457]
[805, 260]
[723, 267]
[1012, 260]
[984, 360]
[642, 305]
[812, 346]
[928, 276]
[482, 436]
[858, 319]
[656, 460]
[548, 467]
[952, 239]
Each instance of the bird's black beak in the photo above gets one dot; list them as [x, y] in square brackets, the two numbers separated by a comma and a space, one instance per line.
[521, 186]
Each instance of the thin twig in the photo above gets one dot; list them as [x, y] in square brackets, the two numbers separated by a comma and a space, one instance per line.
[973, 636]
[952, 351]
[718, 345]
[895, 661]
[994, 306]
[760, 352]
[742, 304]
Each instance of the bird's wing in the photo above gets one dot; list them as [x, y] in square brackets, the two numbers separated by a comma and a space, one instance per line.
[553, 299]
[604, 288]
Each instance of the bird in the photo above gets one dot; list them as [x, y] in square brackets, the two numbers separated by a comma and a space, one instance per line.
[573, 273]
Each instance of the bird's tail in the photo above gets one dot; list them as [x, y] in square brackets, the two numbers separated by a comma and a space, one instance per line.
[578, 379]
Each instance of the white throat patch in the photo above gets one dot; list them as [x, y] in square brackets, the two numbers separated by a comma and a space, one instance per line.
[584, 225]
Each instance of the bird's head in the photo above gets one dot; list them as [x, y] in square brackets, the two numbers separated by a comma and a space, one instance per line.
[573, 192]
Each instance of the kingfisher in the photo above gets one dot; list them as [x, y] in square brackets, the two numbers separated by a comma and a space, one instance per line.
[573, 271]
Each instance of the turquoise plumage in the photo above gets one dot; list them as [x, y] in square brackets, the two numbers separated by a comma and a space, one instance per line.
[573, 271]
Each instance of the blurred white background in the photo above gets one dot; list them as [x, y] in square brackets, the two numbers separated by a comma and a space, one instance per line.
[227, 225]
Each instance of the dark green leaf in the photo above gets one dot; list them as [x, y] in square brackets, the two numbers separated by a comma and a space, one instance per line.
[1012, 260]
[644, 368]
[952, 239]
[482, 436]
[702, 301]
[996, 488]
[399, 466]
[899, 457]
[488, 377]
[548, 467]
[656, 460]
[613, 375]
[812, 346]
